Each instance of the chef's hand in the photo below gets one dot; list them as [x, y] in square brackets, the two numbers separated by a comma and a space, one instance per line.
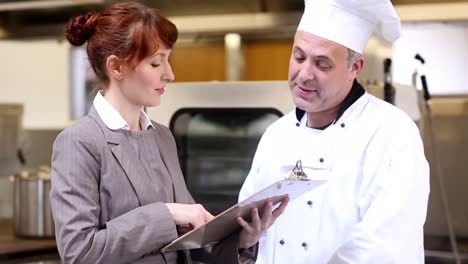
[189, 214]
[251, 232]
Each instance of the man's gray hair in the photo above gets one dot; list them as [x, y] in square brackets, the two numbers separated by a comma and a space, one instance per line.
[352, 57]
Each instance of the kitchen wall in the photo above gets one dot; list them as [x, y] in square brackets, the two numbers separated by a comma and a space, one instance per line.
[198, 62]
[267, 60]
[445, 50]
[36, 73]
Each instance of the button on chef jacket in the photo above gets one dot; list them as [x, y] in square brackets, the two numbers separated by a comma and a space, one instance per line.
[372, 207]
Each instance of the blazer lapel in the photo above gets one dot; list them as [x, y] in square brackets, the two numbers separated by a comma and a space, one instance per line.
[127, 157]
[170, 159]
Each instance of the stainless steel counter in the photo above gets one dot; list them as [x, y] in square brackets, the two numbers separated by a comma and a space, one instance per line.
[17, 250]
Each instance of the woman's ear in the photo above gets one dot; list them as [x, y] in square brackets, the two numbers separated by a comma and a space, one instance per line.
[115, 67]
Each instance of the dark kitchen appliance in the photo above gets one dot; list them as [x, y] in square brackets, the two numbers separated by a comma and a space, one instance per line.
[216, 147]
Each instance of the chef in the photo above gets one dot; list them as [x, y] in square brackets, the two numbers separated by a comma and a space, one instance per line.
[372, 207]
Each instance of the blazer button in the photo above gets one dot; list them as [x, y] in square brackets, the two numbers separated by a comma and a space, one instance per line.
[343, 125]
[321, 160]
[309, 203]
[304, 244]
[298, 124]
[281, 242]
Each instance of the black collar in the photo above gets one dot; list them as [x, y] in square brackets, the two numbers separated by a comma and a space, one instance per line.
[356, 92]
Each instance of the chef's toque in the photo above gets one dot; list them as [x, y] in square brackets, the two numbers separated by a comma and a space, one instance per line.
[351, 22]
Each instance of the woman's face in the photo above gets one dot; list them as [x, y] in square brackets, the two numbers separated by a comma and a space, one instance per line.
[144, 84]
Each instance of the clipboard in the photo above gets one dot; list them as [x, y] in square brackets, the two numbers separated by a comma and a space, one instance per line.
[225, 223]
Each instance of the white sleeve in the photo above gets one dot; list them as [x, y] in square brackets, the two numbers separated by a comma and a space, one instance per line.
[392, 205]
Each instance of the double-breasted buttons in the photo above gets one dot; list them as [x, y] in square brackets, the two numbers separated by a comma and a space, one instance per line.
[281, 242]
[304, 244]
[309, 203]
[342, 125]
[298, 124]
[321, 160]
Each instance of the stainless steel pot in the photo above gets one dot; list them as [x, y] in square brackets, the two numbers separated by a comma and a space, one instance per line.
[32, 214]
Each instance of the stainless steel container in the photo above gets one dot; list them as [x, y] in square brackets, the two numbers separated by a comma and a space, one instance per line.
[32, 214]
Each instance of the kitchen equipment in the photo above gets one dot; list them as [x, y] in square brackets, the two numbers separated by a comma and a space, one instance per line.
[10, 130]
[216, 148]
[10, 127]
[32, 215]
[217, 127]
[389, 90]
[437, 164]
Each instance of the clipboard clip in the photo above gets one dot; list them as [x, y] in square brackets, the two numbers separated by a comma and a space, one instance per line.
[298, 174]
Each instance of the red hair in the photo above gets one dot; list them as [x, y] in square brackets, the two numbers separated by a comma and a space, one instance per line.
[129, 30]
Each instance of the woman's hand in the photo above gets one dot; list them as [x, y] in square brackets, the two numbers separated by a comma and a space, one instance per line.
[251, 232]
[193, 214]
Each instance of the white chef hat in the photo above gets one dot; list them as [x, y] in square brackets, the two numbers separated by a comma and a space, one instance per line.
[351, 22]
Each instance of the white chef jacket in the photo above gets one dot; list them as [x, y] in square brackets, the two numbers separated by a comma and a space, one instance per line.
[372, 207]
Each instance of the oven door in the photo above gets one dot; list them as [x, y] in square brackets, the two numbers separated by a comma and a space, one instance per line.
[216, 148]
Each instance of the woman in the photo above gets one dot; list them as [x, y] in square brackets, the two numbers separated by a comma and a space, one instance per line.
[117, 189]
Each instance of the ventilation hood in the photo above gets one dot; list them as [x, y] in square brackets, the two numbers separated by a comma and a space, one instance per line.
[31, 19]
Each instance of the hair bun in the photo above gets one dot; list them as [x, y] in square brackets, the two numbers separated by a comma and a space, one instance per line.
[80, 28]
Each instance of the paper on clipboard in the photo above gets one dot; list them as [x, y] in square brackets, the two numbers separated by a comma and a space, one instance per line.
[225, 223]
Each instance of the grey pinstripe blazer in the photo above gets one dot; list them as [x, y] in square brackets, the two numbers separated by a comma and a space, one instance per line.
[105, 207]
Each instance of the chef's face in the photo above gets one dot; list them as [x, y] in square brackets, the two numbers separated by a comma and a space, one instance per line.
[319, 75]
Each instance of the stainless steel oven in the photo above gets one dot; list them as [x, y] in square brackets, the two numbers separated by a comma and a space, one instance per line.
[217, 127]
[216, 148]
